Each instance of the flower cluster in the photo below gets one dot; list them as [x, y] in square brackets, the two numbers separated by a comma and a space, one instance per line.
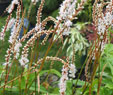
[62, 84]
[17, 49]
[67, 9]
[38, 31]
[72, 71]
[104, 22]
[66, 12]
[24, 60]
[8, 57]
[30, 43]
[13, 34]
[34, 1]
[2, 34]
[12, 5]
[11, 23]
[13, 49]
[15, 24]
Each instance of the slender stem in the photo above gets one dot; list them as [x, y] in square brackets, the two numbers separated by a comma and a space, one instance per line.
[31, 61]
[89, 54]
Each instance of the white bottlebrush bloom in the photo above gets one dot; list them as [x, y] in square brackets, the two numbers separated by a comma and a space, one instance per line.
[11, 23]
[67, 8]
[8, 56]
[13, 34]
[23, 60]
[64, 78]
[99, 5]
[62, 86]
[15, 2]
[101, 37]
[17, 49]
[11, 7]
[17, 55]
[103, 44]
[66, 31]
[64, 6]
[101, 26]
[66, 12]
[71, 9]
[108, 18]
[17, 46]
[34, 1]
[38, 27]
[72, 71]
[7, 63]
[2, 34]
[68, 23]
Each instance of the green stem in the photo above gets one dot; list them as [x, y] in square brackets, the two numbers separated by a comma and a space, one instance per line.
[74, 89]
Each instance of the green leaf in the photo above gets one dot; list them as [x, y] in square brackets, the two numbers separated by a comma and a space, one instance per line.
[42, 89]
[65, 42]
[111, 68]
[53, 71]
[110, 29]
[110, 85]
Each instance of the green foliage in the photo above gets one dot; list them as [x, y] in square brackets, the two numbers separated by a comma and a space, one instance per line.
[32, 19]
[86, 14]
[52, 71]
[76, 41]
[3, 45]
[55, 13]
[107, 58]
[50, 6]
[70, 84]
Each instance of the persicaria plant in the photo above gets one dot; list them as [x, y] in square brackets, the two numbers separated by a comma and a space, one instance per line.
[28, 71]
